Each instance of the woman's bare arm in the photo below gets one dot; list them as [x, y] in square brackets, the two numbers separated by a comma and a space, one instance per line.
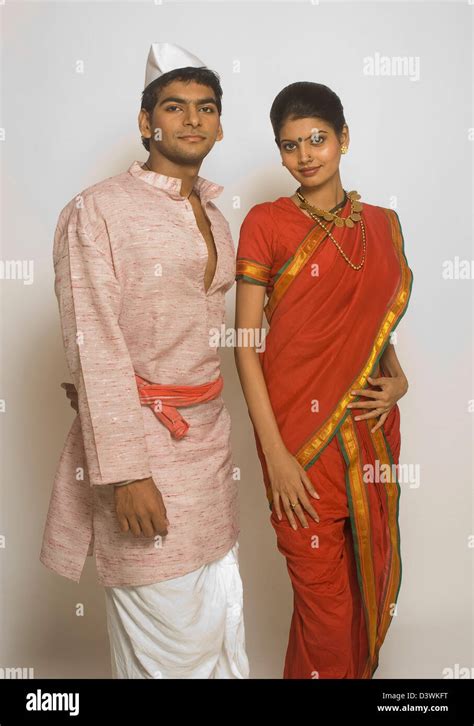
[288, 478]
[248, 315]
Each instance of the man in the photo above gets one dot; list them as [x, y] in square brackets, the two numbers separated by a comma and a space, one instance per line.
[143, 261]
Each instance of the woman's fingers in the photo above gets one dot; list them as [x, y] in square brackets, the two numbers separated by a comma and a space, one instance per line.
[368, 392]
[366, 404]
[289, 511]
[378, 381]
[276, 504]
[298, 510]
[373, 414]
[306, 504]
[380, 423]
[289, 488]
[300, 503]
[308, 483]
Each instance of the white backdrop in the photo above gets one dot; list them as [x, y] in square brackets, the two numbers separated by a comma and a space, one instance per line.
[411, 148]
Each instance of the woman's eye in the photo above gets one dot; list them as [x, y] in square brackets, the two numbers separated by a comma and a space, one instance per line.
[315, 140]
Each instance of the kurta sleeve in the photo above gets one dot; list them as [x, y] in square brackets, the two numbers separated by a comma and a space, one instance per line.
[89, 299]
[255, 250]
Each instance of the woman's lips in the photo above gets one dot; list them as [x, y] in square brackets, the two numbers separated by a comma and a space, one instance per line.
[310, 172]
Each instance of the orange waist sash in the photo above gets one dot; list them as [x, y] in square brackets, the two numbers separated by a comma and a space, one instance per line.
[164, 400]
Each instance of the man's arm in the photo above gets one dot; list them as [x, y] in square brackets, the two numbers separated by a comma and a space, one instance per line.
[89, 298]
[110, 412]
[71, 394]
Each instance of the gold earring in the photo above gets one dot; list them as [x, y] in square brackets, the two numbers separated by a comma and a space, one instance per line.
[344, 149]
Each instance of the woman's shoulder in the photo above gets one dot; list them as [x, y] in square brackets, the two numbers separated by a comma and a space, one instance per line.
[376, 210]
[385, 219]
[267, 211]
[259, 211]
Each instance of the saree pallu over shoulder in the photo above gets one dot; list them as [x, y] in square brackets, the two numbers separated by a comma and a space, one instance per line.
[395, 310]
[340, 322]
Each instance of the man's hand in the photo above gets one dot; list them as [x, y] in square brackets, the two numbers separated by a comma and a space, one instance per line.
[140, 509]
[139, 505]
[71, 393]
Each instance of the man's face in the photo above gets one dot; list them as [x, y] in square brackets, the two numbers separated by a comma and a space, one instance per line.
[185, 123]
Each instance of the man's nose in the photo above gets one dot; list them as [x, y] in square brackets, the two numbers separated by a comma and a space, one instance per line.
[192, 116]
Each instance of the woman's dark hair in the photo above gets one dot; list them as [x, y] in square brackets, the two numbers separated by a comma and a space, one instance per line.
[201, 75]
[304, 100]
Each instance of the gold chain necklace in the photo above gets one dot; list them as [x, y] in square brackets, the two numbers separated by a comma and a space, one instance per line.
[354, 216]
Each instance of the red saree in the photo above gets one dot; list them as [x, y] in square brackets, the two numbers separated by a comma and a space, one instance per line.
[329, 325]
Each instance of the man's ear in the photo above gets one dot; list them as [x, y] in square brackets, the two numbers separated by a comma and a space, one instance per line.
[144, 123]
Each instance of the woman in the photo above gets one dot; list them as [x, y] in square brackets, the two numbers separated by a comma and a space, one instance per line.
[338, 283]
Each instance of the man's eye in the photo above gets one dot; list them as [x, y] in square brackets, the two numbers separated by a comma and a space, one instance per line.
[203, 108]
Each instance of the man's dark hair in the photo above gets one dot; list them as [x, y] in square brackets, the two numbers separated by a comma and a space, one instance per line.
[201, 75]
[305, 100]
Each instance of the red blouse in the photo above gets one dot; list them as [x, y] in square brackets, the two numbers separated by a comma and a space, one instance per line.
[269, 237]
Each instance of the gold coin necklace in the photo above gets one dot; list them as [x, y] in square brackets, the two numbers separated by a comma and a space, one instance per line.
[353, 217]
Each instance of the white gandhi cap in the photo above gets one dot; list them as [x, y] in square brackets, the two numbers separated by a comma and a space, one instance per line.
[165, 57]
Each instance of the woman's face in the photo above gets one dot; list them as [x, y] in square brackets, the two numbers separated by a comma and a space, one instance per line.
[311, 144]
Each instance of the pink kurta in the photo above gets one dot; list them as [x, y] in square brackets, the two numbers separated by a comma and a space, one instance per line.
[129, 261]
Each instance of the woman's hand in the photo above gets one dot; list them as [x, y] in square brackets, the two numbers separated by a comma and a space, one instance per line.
[393, 388]
[289, 483]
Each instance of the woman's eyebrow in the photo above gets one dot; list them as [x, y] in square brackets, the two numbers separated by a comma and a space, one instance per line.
[293, 141]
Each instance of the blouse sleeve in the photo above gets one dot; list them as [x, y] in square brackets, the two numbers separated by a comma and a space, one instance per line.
[89, 299]
[255, 249]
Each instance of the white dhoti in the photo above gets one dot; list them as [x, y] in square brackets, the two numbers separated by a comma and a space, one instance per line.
[186, 627]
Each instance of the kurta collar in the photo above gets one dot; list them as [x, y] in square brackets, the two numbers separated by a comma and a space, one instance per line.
[172, 185]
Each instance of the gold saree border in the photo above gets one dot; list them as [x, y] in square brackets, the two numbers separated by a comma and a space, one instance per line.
[394, 575]
[359, 510]
[377, 617]
[255, 270]
[305, 250]
[311, 449]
